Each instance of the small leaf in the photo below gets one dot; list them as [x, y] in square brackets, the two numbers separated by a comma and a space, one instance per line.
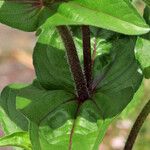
[18, 139]
[142, 52]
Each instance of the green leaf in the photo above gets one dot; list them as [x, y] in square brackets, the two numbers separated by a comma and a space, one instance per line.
[7, 125]
[50, 47]
[120, 63]
[147, 19]
[18, 139]
[118, 79]
[147, 2]
[25, 15]
[29, 15]
[135, 102]
[28, 103]
[50, 62]
[125, 19]
[87, 135]
[8, 103]
[142, 52]
[56, 118]
[49, 109]
[100, 40]
[147, 15]
[13, 134]
[22, 15]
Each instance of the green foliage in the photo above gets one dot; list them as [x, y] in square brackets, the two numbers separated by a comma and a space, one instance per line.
[101, 14]
[59, 111]
[14, 136]
[7, 125]
[18, 139]
[97, 13]
[19, 15]
[147, 2]
[135, 102]
[147, 15]
[142, 52]
[50, 47]
[47, 114]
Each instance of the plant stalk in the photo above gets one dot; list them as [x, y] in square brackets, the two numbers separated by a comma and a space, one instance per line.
[80, 82]
[137, 126]
[87, 54]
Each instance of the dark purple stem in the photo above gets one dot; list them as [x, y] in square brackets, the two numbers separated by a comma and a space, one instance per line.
[87, 55]
[80, 82]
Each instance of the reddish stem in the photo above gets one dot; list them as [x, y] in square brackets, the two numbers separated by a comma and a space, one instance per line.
[80, 82]
[87, 55]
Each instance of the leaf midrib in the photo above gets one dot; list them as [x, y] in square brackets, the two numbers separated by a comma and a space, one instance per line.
[99, 11]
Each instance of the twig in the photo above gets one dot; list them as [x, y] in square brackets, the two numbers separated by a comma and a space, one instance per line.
[80, 82]
[87, 55]
[137, 126]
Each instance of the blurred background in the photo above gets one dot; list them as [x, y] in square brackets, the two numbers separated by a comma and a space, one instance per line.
[16, 49]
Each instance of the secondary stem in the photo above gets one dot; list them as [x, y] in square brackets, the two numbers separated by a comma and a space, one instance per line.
[74, 62]
[87, 55]
[137, 126]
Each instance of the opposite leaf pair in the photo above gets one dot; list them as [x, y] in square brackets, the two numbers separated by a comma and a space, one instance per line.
[55, 120]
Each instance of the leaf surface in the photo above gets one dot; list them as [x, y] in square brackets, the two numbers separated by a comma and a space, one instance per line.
[18, 139]
[20, 14]
[147, 19]
[53, 71]
[119, 79]
[135, 102]
[122, 64]
[56, 119]
[142, 52]
[28, 15]
[125, 19]
[8, 103]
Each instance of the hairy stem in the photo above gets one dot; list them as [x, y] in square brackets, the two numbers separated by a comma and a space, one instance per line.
[137, 126]
[87, 55]
[80, 82]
